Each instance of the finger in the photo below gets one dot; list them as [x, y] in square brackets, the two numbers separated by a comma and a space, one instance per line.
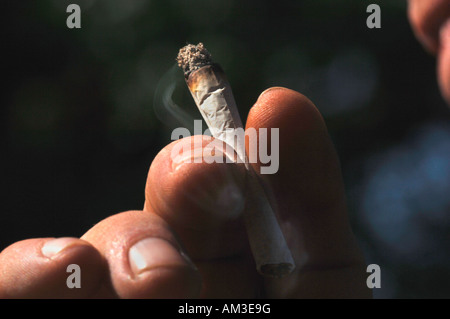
[310, 198]
[444, 62]
[198, 198]
[39, 268]
[143, 257]
[426, 18]
[203, 203]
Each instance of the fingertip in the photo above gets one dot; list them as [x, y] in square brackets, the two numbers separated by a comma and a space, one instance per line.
[426, 18]
[443, 65]
[55, 248]
[144, 257]
[196, 193]
[160, 270]
[308, 184]
[421, 27]
[301, 135]
[40, 268]
[278, 106]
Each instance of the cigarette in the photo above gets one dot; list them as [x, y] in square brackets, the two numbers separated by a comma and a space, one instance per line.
[213, 96]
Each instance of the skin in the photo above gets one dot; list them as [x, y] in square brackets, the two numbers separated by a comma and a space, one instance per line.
[309, 198]
[307, 193]
[428, 21]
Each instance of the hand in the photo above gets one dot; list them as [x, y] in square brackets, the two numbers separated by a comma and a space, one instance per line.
[143, 254]
[430, 22]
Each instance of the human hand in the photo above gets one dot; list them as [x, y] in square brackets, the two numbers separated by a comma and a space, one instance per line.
[143, 254]
[430, 22]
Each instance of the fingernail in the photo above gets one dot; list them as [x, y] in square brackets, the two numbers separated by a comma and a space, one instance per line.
[189, 155]
[275, 88]
[152, 253]
[215, 151]
[54, 246]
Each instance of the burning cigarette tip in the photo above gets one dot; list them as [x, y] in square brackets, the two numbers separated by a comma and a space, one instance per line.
[213, 96]
[193, 57]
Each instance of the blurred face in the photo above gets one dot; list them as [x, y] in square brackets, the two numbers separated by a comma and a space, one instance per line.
[430, 20]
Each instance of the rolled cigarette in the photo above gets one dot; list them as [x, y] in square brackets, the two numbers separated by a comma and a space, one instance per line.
[213, 96]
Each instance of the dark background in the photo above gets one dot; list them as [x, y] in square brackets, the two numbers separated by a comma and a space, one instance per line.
[82, 119]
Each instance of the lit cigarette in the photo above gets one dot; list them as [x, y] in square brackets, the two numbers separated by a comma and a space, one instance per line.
[212, 94]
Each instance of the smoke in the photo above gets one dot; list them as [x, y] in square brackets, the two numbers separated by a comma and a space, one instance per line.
[166, 110]
[221, 195]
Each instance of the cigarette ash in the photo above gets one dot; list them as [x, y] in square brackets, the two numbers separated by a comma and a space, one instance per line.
[213, 96]
[193, 57]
